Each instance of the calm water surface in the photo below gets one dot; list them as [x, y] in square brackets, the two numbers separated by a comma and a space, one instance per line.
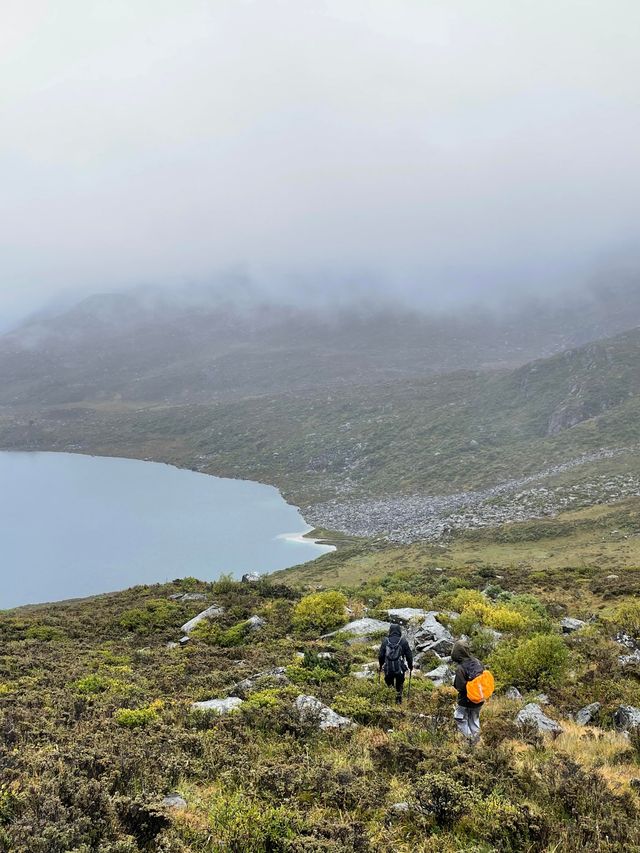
[74, 525]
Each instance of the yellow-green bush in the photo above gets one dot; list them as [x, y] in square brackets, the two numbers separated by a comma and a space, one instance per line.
[93, 684]
[505, 619]
[140, 717]
[627, 616]
[530, 663]
[320, 611]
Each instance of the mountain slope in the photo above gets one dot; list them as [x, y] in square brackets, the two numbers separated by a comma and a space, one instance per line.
[146, 348]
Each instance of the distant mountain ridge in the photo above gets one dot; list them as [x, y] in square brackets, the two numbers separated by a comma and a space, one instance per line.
[128, 346]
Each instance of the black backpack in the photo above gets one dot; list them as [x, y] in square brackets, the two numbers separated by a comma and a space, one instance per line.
[393, 655]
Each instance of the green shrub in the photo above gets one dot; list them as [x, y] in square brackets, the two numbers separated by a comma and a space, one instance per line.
[627, 617]
[443, 797]
[45, 633]
[93, 684]
[530, 663]
[239, 823]
[140, 717]
[315, 675]
[320, 611]
[225, 584]
[269, 698]
[214, 635]
[155, 615]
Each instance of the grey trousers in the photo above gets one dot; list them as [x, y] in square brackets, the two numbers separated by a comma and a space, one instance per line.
[467, 721]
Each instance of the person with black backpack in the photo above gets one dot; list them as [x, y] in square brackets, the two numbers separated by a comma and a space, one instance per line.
[395, 657]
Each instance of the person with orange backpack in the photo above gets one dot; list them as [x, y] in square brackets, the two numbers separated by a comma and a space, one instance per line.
[474, 684]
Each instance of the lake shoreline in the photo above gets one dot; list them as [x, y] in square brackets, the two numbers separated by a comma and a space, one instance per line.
[174, 526]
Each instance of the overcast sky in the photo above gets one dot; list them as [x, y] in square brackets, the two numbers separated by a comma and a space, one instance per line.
[431, 147]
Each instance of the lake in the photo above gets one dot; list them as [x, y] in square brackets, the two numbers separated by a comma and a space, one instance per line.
[73, 525]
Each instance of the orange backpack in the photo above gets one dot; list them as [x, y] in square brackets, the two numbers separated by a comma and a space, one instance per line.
[480, 688]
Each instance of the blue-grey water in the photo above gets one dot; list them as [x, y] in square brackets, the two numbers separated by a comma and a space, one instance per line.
[73, 525]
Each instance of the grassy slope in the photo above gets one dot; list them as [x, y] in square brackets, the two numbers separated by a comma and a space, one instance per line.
[75, 778]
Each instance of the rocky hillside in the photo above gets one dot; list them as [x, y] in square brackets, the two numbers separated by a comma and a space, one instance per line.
[248, 716]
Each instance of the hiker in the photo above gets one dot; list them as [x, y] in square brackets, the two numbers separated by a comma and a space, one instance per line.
[467, 713]
[395, 657]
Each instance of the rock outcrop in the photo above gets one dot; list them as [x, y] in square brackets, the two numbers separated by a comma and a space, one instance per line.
[588, 714]
[365, 627]
[533, 715]
[627, 717]
[218, 706]
[210, 613]
[570, 625]
[311, 709]
[441, 675]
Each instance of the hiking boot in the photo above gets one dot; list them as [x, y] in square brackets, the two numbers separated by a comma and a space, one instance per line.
[398, 698]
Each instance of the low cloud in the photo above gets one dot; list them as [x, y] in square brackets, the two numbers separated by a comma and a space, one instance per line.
[424, 152]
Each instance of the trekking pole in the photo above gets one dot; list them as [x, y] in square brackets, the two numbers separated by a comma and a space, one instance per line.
[409, 687]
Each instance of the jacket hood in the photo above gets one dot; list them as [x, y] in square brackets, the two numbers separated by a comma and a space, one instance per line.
[461, 651]
[395, 631]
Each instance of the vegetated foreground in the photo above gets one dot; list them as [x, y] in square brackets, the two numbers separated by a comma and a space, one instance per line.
[104, 749]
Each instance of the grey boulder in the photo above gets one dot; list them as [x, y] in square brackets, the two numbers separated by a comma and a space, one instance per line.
[311, 709]
[533, 715]
[362, 627]
[174, 801]
[256, 622]
[588, 714]
[432, 631]
[441, 675]
[570, 625]
[210, 613]
[218, 706]
[512, 693]
[627, 717]
[188, 596]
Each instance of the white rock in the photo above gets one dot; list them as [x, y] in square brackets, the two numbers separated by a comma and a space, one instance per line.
[534, 715]
[256, 622]
[570, 625]
[310, 708]
[210, 613]
[362, 627]
[512, 693]
[218, 706]
[174, 801]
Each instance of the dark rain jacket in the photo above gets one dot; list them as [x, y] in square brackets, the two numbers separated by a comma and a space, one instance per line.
[468, 669]
[406, 655]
